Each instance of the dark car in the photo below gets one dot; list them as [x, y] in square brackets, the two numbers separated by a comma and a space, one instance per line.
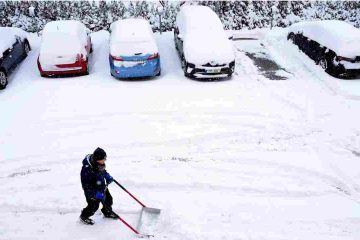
[332, 44]
[203, 46]
[14, 47]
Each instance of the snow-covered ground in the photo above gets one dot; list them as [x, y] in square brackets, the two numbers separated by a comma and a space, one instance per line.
[246, 158]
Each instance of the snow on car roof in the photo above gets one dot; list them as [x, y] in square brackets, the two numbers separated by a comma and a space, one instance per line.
[8, 37]
[130, 36]
[339, 36]
[131, 29]
[198, 18]
[64, 26]
[59, 34]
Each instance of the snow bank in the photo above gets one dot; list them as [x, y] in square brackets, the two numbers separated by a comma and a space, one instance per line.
[8, 37]
[131, 36]
[339, 36]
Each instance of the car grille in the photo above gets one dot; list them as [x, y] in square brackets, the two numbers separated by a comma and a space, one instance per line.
[213, 65]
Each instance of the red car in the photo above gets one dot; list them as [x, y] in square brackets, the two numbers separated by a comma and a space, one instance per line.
[65, 49]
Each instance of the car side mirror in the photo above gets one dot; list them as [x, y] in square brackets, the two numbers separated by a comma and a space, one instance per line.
[180, 37]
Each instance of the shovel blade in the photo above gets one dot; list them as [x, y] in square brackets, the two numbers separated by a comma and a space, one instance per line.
[140, 235]
[152, 210]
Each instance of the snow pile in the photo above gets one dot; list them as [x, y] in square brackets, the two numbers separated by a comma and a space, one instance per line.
[204, 37]
[344, 41]
[132, 36]
[65, 39]
[8, 37]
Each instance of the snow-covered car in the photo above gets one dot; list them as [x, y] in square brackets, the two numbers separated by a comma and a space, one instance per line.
[333, 44]
[203, 46]
[133, 50]
[65, 49]
[14, 47]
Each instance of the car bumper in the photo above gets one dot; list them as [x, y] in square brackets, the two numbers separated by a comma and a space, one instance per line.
[210, 72]
[66, 69]
[129, 69]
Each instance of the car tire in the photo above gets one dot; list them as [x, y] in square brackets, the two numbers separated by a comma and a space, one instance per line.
[183, 63]
[3, 79]
[323, 63]
[87, 72]
[328, 67]
[26, 48]
[186, 74]
[158, 74]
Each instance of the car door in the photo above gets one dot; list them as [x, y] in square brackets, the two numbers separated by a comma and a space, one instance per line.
[8, 59]
[179, 42]
[17, 52]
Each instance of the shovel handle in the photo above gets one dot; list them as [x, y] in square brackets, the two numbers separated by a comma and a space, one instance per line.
[123, 188]
[122, 220]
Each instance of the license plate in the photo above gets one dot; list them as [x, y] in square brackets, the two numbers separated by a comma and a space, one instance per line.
[213, 70]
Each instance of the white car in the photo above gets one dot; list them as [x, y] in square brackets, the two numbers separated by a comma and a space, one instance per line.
[133, 50]
[65, 48]
[203, 46]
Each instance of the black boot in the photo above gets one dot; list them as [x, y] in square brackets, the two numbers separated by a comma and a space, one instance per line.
[109, 215]
[86, 220]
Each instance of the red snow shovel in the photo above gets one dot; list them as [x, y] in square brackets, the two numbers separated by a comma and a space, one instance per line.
[146, 209]
[128, 225]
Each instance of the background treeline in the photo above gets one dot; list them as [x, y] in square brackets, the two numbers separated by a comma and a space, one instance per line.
[33, 15]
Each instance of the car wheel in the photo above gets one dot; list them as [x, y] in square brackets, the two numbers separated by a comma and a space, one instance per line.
[323, 63]
[158, 74]
[183, 63]
[328, 67]
[3, 79]
[87, 68]
[187, 75]
[26, 48]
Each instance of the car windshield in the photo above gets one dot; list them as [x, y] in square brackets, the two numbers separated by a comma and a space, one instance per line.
[6, 41]
[60, 43]
[132, 31]
[131, 36]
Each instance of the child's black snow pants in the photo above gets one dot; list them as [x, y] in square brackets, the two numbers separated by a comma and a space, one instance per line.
[93, 205]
